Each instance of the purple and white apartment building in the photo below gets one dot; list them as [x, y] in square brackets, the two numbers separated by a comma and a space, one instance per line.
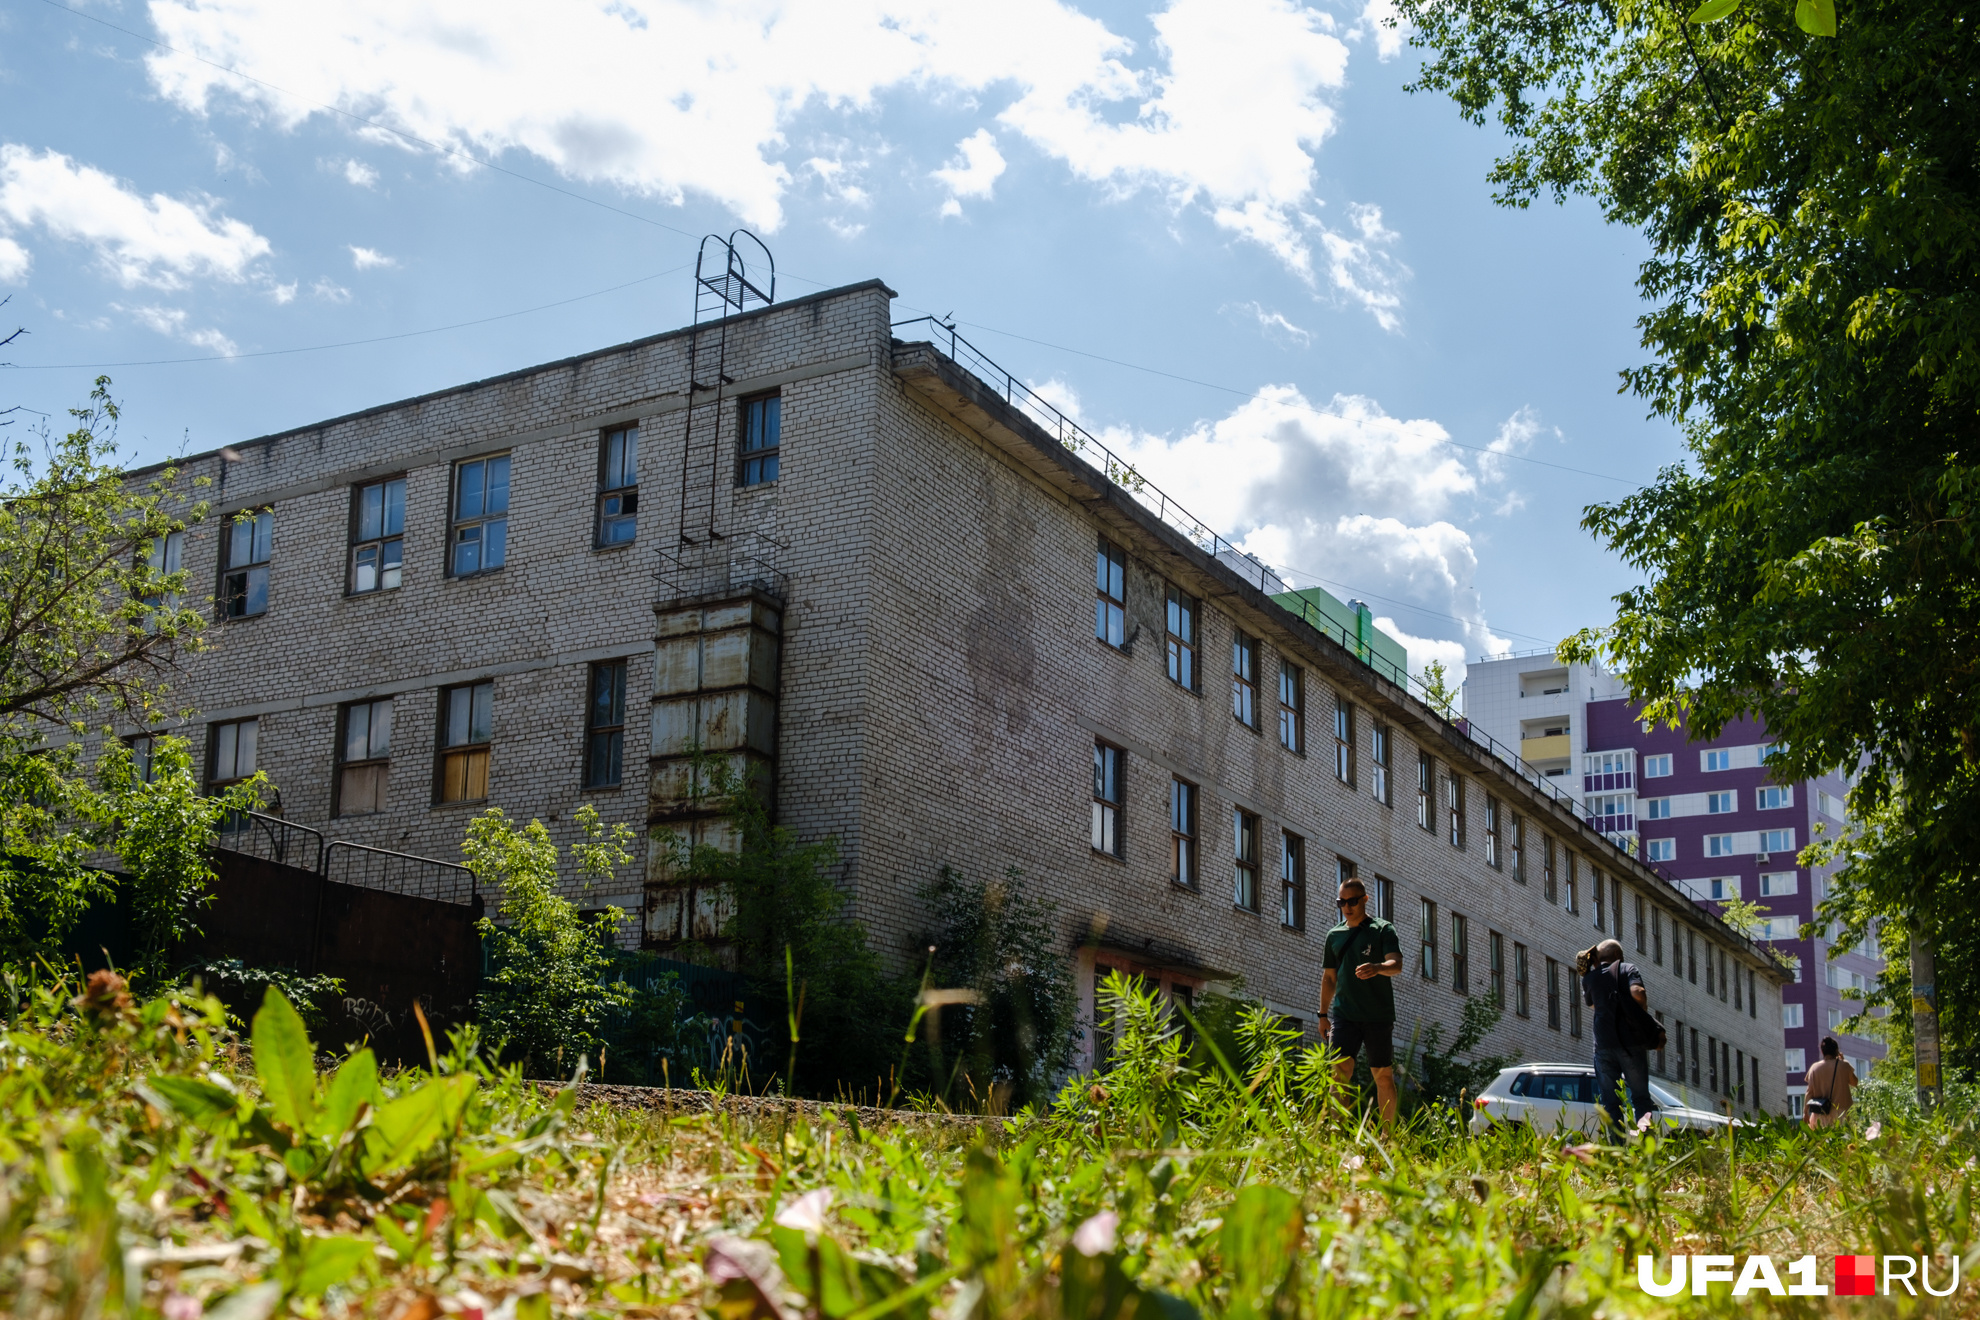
[1707, 814]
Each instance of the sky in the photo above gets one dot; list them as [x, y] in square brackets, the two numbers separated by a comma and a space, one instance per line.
[1219, 233]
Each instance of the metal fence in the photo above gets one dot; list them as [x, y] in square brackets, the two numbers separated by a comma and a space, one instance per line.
[271, 839]
[399, 873]
[1122, 473]
[736, 563]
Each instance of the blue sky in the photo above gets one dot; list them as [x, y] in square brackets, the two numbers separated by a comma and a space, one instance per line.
[1392, 386]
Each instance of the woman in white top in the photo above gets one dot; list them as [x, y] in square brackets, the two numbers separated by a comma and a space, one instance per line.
[1830, 1080]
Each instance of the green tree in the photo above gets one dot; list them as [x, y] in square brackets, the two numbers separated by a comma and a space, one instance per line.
[162, 831]
[93, 624]
[1435, 683]
[548, 1000]
[1810, 203]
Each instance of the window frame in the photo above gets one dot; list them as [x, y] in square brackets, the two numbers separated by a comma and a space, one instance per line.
[1454, 806]
[447, 752]
[1495, 971]
[1460, 954]
[1110, 594]
[1426, 790]
[1292, 707]
[1109, 812]
[612, 734]
[1522, 989]
[141, 756]
[1517, 838]
[1185, 837]
[1553, 994]
[764, 461]
[1245, 827]
[345, 763]
[1344, 767]
[359, 542]
[1385, 898]
[1292, 878]
[1783, 797]
[1181, 610]
[214, 782]
[1550, 883]
[1573, 861]
[612, 485]
[458, 523]
[1426, 920]
[1244, 679]
[247, 570]
[1598, 893]
[1642, 934]
[1492, 858]
[1381, 740]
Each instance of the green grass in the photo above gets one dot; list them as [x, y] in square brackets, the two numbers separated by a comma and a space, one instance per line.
[148, 1168]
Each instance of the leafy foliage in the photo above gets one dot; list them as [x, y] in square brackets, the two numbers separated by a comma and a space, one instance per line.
[142, 1173]
[1001, 944]
[547, 1002]
[1441, 1075]
[240, 987]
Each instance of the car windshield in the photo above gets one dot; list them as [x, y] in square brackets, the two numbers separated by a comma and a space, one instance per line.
[1668, 1099]
[1576, 1087]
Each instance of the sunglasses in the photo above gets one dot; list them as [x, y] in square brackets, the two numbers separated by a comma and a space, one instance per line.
[1356, 901]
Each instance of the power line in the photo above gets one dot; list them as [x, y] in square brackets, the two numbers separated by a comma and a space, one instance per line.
[347, 343]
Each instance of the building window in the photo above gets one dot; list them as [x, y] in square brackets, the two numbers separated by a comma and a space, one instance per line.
[1344, 741]
[1656, 808]
[1180, 621]
[1573, 1004]
[1107, 798]
[618, 486]
[142, 745]
[1691, 955]
[1495, 950]
[1553, 994]
[365, 756]
[378, 525]
[1110, 593]
[1725, 973]
[1721, 804]
[1642, 937]
[1379, 771]
[1752, 999]
[1616, 906]
[1244, 881]
[1182, 828]
[1718, 845]
[1460, 954]
[1426, 919]
[1244, 679]
[1678, 1036]
[1663, 1068]
[231, 755]
[1739, 998]
[1491, 831]
[1292, 708]
[1776, 841]
[1657, 935]
[1515, 840]
[467, 721]
[1521, 1006]
[1385, 898]
[1601, 906]
[480, 538]
[1776, 884]
[1718, 760]
[166, 556]
[250, 543]
[1771, 798]
[1723, 888]
[762, 439]
[1712, 1070]
[1660, 850]
[1426, 788]
[605, 726]
[1292, 874]
[1549, 888]
[1454, 807]
[1797, 1061]
[1573, 880]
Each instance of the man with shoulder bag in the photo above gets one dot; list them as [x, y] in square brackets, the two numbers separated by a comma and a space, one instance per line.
[1624, 1030]
[1831, 1087]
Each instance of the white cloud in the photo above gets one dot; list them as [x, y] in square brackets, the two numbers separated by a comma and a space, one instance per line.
[330, 291]
[359, 174]
[283, 294]
[1515, 436]
[1362, 267]
[1275, 325]
[1380, 21]
[158, 241]
[173, 323]
[365, 258]
[973, 172]
[14, 261]
[665, 97]
[1342, 493]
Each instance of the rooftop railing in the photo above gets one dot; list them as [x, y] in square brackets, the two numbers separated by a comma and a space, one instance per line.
[1125, 475]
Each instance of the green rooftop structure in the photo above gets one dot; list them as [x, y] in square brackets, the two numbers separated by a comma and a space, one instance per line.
[1353, 624]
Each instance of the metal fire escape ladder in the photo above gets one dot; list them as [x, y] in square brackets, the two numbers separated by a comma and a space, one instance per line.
[723, 288]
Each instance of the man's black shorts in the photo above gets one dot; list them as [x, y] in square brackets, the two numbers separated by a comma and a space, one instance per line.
[1378, 1038]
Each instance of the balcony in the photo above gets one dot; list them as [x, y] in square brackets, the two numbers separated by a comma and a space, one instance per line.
[1554, 748]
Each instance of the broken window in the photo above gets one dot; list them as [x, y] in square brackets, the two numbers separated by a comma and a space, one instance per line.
[250, 540]
[365, 753]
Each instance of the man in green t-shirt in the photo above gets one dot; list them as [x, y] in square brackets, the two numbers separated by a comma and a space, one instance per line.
[1357, 1003]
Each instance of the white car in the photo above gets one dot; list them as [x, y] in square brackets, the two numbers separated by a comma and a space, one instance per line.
[1560, 1097]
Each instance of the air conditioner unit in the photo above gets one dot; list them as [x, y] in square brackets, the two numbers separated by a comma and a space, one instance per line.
[1760, 857]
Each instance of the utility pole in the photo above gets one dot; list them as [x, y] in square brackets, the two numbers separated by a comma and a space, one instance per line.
[1925, 1017]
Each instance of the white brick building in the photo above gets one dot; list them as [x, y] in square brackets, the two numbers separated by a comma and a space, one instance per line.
[920, 672]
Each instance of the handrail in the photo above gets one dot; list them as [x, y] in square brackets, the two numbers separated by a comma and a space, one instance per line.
[399, 873]
[1276, 587]
[272, 839]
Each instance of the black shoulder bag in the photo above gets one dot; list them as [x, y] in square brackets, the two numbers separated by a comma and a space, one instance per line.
[1634, 1023]
[1827, 1102]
